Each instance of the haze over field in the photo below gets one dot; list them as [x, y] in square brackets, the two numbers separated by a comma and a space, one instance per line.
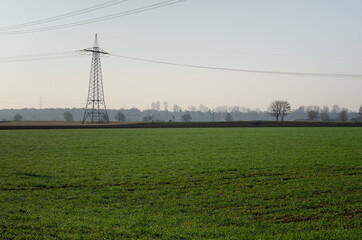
[312, 36]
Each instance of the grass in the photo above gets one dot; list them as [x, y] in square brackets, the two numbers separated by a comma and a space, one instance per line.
[235, 183]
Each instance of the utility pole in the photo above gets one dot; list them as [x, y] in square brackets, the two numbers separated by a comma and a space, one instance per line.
[95, 108]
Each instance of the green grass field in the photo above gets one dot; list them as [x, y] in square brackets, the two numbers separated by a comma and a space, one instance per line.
[234, 183]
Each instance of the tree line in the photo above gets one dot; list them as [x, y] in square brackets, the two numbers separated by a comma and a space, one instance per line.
[277, 110]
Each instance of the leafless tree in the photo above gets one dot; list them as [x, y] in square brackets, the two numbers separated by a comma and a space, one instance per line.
[192, 108]
[343, 115]
[336, 109]
[104, 118]
[120, 117]
[203, 108]
[245, 109]
[228, 117]
[301, 109]
[186, 117]
[325, 117]
[68, 116]
[286, 109]
[221, 109]
[278, 109]
[18, 117]
[147, 118]
[235, 109]
[177, 108]
[156, 106]
[325, 109]
[165, 105]
[312, 108]
[312, 115]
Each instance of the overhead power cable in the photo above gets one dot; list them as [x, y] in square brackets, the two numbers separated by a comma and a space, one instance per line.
[303, 74]
[73, 54]
[98, 19]
[65, 15]
[37, 57]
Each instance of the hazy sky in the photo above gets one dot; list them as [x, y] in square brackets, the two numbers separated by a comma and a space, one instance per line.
[323, 36]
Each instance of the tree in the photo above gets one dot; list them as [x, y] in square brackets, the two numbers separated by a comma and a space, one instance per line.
[165, 105]
[221, 109]
[228, 117]
[156, 106]
[325, 117]
[120, 117]
[235, 109]
[343, 115]
[203, 108]
[177, 108]
[18, 117]
[104, 118]
[325, 109]
[68, 116]
[301, 109]
[360, 112]
[147, 118]
[285, 109]
[312, 115]
[336, 109]
[186, 117]
[192, 108]
[278, 109]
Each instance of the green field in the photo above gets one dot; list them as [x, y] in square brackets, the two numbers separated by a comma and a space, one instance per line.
[226, 183]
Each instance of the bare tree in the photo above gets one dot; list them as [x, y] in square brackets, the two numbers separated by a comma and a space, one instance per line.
[286, 109]
[279, 108]
[18, 117]
[177, 108]
[186, 117]
[104, 118]
[235, 109]
[325, 117]
[192, 108]
[336, 109]
[165, 105]
[156, 106]
[120, 117]
[313, 108]
[147, 118]
[221, 109]
[228, 117]
[203, 108]
[325, 109]
[68, 116]
[343, 115]
[301, 109]
[312, 115]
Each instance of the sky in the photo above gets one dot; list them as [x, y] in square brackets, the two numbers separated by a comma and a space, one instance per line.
[312, 36]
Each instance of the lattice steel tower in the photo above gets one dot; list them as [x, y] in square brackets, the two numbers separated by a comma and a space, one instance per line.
[95, 108]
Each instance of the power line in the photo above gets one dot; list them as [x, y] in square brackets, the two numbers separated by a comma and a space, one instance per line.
[72, 54]
[98, 19]
[38, 57]
[66, 15]
[304, 74]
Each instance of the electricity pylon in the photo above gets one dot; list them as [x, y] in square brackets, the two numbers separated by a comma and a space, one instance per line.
[95, 108]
